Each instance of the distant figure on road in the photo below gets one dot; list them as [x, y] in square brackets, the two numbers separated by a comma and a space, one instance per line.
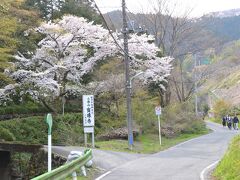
[235, 122]
[224, 119]
[229, 122]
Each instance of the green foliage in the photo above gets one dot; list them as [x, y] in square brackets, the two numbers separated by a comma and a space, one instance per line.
[20, 163]
[143, 112]
[55, 9]
[67, 129]
[176, 119]
[26, 108]
[221, 108]
[228, 168]
[81, 9]
[48, 9]
[8, 27]
[6, 135]
[181, 118]
[14, 20]
[229, 53]
[29, 130]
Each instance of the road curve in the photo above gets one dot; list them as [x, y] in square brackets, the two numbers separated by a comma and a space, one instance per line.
[185, 161]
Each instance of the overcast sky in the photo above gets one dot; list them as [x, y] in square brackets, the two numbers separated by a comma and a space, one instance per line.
[200, 7]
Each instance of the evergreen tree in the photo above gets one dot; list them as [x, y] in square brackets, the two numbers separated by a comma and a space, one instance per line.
[81, 8]
[48, 9]
[55, 9]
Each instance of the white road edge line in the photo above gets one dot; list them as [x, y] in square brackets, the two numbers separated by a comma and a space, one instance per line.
[102, 176]
[207, 168]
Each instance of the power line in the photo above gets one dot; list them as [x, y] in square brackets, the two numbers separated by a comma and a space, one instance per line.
[126, 59]
[153, 56]
[109, 30]
[106, 7]
[112, 24]
[137, 39]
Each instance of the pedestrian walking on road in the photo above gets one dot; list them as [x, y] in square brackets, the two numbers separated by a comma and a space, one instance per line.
[224, 119]
[229, 122]
[235, 122]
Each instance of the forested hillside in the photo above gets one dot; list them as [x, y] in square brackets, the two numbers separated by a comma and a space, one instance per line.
[226, 28]
[216, 42]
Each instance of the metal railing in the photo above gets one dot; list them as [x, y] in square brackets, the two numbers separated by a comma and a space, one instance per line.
[67, 169]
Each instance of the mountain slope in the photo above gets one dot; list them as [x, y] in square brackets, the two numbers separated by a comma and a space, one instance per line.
[223, 14]
[223, 74]
[226, 28]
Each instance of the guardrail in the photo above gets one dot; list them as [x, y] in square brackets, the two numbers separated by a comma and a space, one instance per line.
[67, 169]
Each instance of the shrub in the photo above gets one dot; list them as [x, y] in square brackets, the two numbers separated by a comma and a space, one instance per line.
[6, 135]
[181, 118]
[29, 130]
[221, 108]
[26, 108]
[143, 113]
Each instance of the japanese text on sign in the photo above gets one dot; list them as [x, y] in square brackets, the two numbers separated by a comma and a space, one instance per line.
[88, 110]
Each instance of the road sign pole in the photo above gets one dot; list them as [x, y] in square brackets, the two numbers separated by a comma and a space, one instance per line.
[93, 143]
[158, 111]
[85, 139]
[159, 128]
[49, 153]
[49, 122]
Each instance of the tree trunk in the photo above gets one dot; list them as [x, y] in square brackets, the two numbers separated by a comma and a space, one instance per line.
[51, 109]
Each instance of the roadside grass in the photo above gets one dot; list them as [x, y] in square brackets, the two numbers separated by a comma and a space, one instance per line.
[146, 144]
[215, 120]
[228, 168]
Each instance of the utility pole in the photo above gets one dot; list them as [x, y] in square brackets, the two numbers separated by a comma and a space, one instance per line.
[128, 83]
[195, 84]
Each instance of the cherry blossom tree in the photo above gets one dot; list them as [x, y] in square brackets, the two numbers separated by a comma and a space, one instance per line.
[71, 47]
[144, 52]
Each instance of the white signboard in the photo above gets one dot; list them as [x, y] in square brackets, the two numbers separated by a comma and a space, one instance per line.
[88, 129]
[88, 110]
[158, 110]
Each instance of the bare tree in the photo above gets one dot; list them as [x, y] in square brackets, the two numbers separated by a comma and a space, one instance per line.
[177, 34]
[169, 28]
[167, 24]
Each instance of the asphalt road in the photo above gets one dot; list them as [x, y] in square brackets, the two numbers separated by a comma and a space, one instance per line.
[185, 161]
[104, 160]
